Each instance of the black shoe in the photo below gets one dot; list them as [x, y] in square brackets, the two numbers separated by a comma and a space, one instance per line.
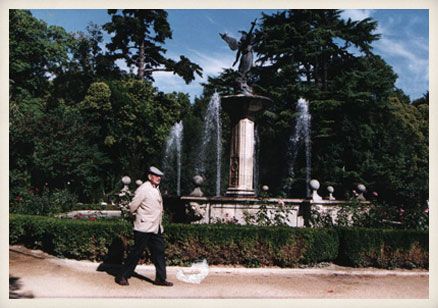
[122, 281]
[163, 283]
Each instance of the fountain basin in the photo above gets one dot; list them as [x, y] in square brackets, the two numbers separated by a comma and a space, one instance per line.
[86, 214]
[241, 106]
[237, 209]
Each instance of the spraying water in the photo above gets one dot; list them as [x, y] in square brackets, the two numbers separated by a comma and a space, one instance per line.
[211, 139]
[301, 136]
[256, 160]
[172, 153]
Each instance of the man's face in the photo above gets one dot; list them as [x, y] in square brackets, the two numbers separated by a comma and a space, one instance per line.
[155, 179]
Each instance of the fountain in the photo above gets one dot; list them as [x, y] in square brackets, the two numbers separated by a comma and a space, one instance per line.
[300, 136]
[211, 140]
[240, 203]
[242, 108]
[256, 161]
[172, 153]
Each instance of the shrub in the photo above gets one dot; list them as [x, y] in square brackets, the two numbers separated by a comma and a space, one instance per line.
[78, 239]
[360, 247]
[219, 244]
[227, 244]
[250, 245]
[94, 206]
[45, 203]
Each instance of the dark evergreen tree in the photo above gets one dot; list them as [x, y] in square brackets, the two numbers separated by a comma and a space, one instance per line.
[138, 39]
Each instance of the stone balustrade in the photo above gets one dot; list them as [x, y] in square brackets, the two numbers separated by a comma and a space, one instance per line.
[296, 212]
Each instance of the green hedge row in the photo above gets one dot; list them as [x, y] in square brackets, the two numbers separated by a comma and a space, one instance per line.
[251, 246]
[78, 239]
[384, 248]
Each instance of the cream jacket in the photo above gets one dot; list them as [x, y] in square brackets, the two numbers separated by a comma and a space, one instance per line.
[147, 206]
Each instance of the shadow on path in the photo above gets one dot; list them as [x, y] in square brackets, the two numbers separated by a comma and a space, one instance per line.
[14, 289]
[112, 263]
[114, 269]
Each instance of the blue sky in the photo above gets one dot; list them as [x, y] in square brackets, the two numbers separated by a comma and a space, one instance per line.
[404, 44]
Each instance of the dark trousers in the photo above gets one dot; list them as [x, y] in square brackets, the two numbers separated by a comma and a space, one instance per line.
[155, 244]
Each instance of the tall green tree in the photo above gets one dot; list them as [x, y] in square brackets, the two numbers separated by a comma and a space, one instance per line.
[88, 63]
[138, 38]
[306, 47]
[37, 52]
[65, 155]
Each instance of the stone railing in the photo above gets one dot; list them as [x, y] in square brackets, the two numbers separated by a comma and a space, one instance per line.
[293, 212]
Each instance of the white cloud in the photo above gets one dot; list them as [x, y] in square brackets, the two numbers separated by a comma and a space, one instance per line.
[405, 49]
[356, 14]
[396, 48]
[211, 20]
[169, 82]
[411, 66]
[212, 63]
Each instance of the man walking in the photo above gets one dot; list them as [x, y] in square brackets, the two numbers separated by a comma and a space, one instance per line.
[147, 206]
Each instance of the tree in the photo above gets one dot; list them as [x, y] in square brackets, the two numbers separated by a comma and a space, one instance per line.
[87, 51]
[88, 64]
[138, 39]
[36, 52]
[76, 122]
[65, 155]
[304, 47]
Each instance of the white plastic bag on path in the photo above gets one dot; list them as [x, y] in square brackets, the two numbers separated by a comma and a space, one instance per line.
[195, 273]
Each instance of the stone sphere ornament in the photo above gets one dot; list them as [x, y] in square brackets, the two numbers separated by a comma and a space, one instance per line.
[265, 187]
[331, 190]
[198, 180]
[139, 182]
[126, 180]
[360, 190]
[314, 184]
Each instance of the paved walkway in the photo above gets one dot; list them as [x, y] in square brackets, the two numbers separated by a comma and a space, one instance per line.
[36, 274]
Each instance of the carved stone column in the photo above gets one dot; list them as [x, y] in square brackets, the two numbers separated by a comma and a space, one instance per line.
[242, 109]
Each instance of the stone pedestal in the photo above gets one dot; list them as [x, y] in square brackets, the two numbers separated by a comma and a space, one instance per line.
[242, 110]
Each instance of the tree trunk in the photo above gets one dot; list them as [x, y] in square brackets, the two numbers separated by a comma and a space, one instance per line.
[140, 62]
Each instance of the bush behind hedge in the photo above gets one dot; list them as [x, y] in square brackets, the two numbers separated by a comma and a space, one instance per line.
[250, 246]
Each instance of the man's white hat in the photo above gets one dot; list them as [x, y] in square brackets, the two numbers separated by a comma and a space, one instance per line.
[155, 171]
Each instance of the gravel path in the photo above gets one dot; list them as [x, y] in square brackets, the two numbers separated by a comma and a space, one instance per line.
[36, 274]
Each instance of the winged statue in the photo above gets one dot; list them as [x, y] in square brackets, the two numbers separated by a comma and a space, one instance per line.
[244, 54]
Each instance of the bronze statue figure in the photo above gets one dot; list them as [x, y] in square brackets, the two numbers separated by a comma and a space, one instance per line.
[245, 53]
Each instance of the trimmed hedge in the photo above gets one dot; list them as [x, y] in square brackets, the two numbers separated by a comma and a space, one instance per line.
[251, 246]
[220, 244]
[384, 248]
[77, 239]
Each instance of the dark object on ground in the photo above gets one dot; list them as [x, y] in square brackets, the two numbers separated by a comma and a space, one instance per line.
[14, 287]
[163, 283]
[122, 281]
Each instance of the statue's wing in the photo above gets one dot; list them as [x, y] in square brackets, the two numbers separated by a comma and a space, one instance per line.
[232, 42]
